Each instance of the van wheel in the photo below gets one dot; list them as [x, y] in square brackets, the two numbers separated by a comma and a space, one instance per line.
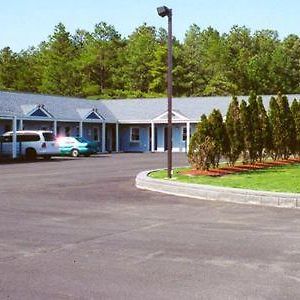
[74, 153]
[30, 154]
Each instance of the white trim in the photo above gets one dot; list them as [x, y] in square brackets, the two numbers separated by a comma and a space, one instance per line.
[80, 129]
[177, 116]
[103, 137]
[188, 135]
[55, 127]
[14, 138]
[148, 122]
[130, 137]
[117, 137]
[152, 137]
[21, 126]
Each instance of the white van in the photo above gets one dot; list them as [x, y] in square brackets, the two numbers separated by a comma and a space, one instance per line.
[30, 144]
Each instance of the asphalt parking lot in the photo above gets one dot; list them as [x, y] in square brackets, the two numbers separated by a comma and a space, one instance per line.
[79, 229]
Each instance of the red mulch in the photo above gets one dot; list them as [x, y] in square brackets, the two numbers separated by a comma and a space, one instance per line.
[241, 168]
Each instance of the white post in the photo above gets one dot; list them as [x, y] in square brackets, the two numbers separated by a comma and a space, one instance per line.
[81, 129]
[14, 138]
[152, 137]
[103, 137]
[117, 137]
[21, 124]
[55, 127]
[188, 130]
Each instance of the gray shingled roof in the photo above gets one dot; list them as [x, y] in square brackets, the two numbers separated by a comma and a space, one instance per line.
[192, 107]
[130, 110]
[64, 108]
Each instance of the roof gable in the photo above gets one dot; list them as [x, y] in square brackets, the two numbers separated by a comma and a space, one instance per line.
[94, 115]
[37, 110]
[90, 114]
[176, 116]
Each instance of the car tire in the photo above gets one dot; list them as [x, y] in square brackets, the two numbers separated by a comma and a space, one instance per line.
[74, 153]
[30, 154]
[47, 157]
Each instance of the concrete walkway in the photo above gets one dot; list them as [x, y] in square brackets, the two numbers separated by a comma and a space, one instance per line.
[209, 192]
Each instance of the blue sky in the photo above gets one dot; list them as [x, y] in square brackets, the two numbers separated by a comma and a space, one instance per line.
[28, 22]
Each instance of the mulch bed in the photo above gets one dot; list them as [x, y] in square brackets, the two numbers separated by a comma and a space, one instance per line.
[241, 168]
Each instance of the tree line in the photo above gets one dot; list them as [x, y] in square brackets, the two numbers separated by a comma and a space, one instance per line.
[248, 132]
[103, 64]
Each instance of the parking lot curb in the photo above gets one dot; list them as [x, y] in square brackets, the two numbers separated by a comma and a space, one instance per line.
[208, 192]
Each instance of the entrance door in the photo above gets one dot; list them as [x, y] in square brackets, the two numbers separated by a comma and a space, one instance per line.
[113, 138]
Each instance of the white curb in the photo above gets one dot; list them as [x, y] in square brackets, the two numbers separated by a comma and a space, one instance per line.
[208, 192]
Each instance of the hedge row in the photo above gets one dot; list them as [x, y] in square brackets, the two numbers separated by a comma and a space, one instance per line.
[248, 132]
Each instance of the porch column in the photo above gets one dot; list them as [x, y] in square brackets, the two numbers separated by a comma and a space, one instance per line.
[14, 138]
[188, 130]
[20, 124]
[152, 137]
[103, 137]
[55, 127]
[81, 129]
[117, 137]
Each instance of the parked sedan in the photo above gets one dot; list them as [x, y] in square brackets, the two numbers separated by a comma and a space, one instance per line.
[75, 146]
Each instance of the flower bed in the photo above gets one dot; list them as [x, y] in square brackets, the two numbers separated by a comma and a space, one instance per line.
[240, 168]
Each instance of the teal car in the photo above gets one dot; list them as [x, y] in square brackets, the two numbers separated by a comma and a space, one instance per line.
[75, 146]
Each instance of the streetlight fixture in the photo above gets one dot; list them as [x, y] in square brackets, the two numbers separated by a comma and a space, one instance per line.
[162, 12]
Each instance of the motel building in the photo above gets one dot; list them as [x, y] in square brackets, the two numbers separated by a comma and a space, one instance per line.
[129, 125]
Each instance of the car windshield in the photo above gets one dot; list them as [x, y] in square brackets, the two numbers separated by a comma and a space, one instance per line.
[82, 140]
[48, 136]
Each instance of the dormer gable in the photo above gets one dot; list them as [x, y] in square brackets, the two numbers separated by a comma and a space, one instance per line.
[37, 110]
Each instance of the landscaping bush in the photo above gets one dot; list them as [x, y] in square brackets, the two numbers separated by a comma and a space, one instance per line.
[248, 130]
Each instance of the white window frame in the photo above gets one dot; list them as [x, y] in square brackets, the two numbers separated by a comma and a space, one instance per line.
[135, 141]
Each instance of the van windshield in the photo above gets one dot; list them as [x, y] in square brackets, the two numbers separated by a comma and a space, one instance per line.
[48, 136]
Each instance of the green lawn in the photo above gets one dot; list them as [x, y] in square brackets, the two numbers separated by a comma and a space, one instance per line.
[276, 179]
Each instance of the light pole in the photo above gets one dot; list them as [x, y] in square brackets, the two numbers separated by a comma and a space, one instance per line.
[162, 12]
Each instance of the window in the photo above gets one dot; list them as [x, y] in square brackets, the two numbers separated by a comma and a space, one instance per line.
[96, 134]
[134, 134]
[28, 137]
[183, 134]
[48, 136]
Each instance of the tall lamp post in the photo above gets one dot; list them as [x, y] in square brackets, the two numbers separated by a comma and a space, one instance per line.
[162, 12]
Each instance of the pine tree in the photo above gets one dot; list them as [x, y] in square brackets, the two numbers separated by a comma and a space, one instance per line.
[295, 109]
[247, 131]
[265, 137]
[234, 131]
[274, 117]
[219, 135]
[288, 131]
[201, 146]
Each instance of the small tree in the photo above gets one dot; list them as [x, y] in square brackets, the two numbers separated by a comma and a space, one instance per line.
[245, 118]
[288, 132]
[265, 136]
[202, 146]
[274, 117]
[295, 109]
[219, 136]
[234, 130]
